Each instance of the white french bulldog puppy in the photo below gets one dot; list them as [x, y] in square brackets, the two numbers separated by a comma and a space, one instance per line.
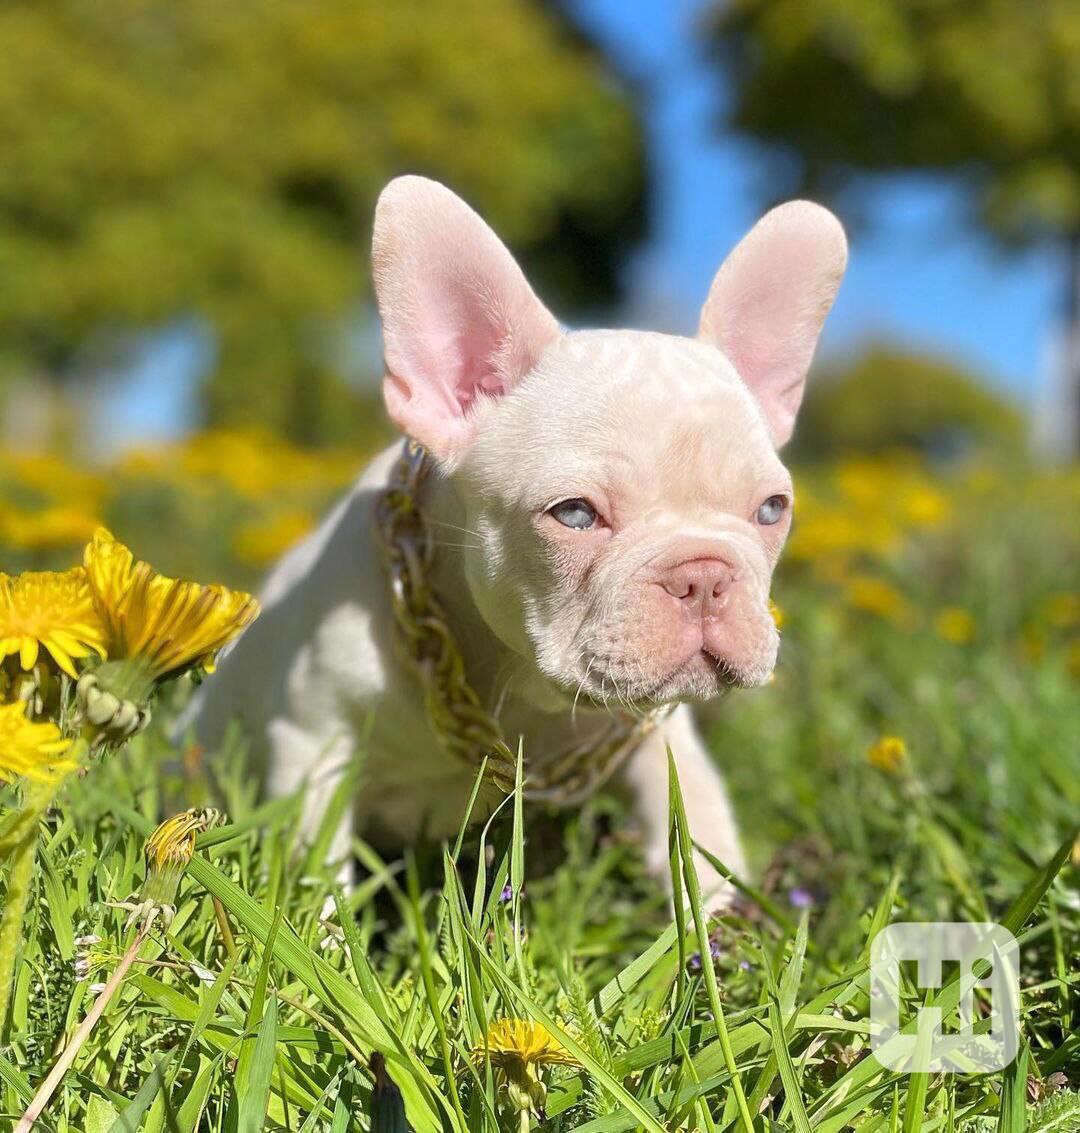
[607, 510]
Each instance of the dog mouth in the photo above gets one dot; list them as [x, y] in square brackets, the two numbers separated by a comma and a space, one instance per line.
[611, 684]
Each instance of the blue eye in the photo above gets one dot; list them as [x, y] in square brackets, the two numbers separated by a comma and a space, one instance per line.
[771, 510]
[578, 514]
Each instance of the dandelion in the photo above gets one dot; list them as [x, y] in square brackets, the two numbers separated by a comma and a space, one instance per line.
[776, 614]
[167, 624]
[32, 750]
[48, 529]
[955, 625]
[168, 851]
[519, 1049]
[50, 611]
[156, 628]
[261, 543]
[1063, 610]
[925, 506]
[876, 596]
[888, 754]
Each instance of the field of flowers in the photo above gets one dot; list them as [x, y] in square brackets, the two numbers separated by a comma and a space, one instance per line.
[915, 757]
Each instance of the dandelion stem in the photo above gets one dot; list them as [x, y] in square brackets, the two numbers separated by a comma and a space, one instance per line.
[63, 1063]
[224, 928]
[20, 843]
[19, 880]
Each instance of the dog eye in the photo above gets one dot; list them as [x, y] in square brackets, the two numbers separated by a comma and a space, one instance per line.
[771, 510]
[578, 514]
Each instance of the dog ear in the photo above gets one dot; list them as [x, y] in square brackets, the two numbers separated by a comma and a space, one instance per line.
[769, 300]
[460, 322]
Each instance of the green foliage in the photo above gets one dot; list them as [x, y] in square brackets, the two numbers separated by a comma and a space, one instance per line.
[164, 160]
[415, 963]
[987, 90]
[887, 398]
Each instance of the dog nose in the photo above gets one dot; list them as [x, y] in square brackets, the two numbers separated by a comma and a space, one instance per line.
[698, 583]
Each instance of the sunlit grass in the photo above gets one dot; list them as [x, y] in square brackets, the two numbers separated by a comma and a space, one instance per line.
[902, 765]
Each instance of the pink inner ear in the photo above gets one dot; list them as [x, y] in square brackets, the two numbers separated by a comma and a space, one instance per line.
[768, 303]
[459, 319]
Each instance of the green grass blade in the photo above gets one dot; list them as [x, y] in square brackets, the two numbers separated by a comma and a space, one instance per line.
[693, 889]
[131, 1115]
[254, 1094]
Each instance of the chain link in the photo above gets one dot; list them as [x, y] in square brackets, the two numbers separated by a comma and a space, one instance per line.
[465, 728]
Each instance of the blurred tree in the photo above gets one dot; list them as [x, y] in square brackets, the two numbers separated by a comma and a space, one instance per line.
[889, 398]
[165, 159]
[987, 91]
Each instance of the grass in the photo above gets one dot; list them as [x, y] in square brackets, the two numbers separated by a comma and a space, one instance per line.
[306, 1008]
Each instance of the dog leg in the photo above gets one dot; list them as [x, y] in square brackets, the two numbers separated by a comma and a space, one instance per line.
[708, 811]
[301, 759]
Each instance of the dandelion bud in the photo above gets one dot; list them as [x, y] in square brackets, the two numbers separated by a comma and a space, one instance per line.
[519, 1050]
[112, 715]
[168, 851]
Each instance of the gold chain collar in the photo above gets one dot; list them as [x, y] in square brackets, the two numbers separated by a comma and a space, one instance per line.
[465, 728]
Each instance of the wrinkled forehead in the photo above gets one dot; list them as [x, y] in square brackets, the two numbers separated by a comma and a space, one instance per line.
[651, 413]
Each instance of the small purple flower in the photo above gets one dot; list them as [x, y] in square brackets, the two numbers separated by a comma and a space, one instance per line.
[801, 898]
[745, 965]
[507, 894]
[693, 961]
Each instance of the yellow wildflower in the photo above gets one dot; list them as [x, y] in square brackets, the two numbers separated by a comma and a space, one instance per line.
[55, 478]
[1063, 610]
[876, 596]
[264, 541]
[173, 842]
[518, 1050]
[30, 749]
[888, 754]
[48, 529]
[166, 624]
[956, 625]
[925, 506]
[168, 851]
[50, 611]
[513, 1042]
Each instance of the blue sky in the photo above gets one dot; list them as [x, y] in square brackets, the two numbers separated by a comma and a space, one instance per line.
[920, 275]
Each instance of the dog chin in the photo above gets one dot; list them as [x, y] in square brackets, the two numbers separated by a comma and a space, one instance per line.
[701, 677]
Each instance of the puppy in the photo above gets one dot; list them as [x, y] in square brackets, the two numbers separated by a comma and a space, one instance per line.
[584, 544]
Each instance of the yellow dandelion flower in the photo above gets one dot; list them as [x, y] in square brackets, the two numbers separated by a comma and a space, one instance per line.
[925, 506]
[48, 529]
[519, 1049]
[1063, 610]
[777, 614]
[166, 624]
[513, 1043]
[260, 543]
[33, 750]
[888, 754]
[876, 596]
[955, 625]
[168, 852]
[173, 842]
[50, 611]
